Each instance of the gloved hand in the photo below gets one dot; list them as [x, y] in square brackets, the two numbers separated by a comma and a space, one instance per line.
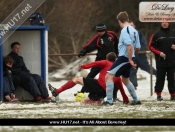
[82, 53]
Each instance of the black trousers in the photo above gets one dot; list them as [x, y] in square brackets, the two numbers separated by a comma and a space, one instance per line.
[34, 84]
[160, 80]
[16, 81]
[93, 72]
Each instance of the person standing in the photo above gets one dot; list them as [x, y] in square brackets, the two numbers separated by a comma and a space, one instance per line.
[104, 41]
[32, 83]
[162, 44]
[140, 59]
[128, 44]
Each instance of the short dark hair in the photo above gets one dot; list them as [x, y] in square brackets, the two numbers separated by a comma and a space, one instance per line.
[111, 56]
[130, 20]
[14, 43]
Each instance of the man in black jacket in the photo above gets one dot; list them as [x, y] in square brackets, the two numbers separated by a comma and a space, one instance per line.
[162, 44]
[32, 83]
[104, 41]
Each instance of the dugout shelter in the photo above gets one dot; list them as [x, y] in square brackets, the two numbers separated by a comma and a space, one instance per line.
[34, 50]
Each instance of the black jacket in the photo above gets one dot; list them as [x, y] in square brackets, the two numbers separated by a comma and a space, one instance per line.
[104, 44]
[6, 70]
[18, 65]
[161, 41]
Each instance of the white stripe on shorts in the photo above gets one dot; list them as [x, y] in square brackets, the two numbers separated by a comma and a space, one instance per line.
[113, 71]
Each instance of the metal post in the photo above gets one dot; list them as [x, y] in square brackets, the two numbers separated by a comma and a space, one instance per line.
[1, 74]
[151, 75]
[72, 54]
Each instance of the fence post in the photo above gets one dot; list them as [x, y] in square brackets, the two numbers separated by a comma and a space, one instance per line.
[151, 75]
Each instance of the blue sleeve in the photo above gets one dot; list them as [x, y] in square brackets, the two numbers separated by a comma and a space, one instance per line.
[126, 38]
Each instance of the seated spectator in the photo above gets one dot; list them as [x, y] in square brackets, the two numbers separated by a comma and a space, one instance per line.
[32, 83]
[9, 89]
[15, 81]
[96, 88]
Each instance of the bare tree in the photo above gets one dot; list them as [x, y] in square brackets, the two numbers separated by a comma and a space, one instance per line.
[73, 29]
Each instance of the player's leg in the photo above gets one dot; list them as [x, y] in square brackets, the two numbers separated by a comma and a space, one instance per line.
[119, 84]
[128, 84]
[67, 85]
[170, 78]
[131, 90]
[96, 92]
[109, 87]
[133, 77]
[160, 81]
[115, 70]
[93, 72]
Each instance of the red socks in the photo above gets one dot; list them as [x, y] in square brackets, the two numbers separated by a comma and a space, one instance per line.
[172, 94]
[66, 86]
[122, 91]
[38, 98]
[159, 93]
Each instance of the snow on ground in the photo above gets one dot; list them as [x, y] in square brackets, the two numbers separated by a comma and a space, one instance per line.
[143, 89]
[143, 92]
[31, 110]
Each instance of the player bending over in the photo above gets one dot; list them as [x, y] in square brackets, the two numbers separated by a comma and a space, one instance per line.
[96, 88]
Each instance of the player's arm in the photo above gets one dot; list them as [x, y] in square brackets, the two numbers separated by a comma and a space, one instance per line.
[99, 64]
[153, 43]
[130, 51]
[90, 46]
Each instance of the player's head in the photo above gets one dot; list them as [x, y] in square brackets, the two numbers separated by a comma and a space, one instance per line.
[111, 56]
[8, 60]
[131, 22]
[101, 28]
[122, 17]
[15, 47]
[165, 23]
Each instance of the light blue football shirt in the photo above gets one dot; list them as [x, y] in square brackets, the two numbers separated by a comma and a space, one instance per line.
[126, 38]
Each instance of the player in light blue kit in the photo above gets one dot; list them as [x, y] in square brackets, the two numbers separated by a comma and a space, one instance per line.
[128, 44]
